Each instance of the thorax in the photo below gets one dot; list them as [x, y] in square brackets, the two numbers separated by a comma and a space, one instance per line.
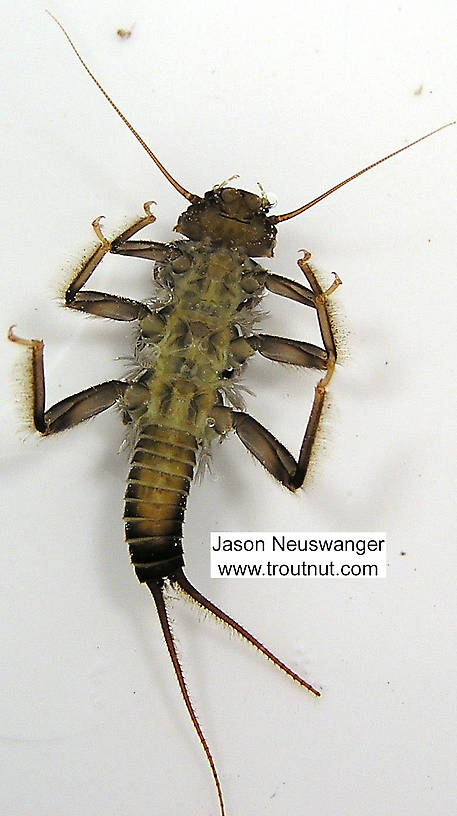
[186, 356]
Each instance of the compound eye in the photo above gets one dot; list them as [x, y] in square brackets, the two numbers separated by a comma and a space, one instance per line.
[252, 201]
[229, 195]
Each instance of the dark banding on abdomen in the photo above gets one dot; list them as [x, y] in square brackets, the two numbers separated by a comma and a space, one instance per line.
[158, 484]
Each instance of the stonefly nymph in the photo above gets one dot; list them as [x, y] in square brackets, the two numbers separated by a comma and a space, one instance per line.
[192, 344]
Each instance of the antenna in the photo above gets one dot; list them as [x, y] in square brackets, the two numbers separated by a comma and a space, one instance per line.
[194, 199]
[275, 219]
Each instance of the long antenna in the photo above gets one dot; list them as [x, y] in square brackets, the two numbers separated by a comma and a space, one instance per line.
[275, 219]
[194, 199]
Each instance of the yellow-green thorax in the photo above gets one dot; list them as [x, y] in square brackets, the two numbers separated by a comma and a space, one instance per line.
[190, 345]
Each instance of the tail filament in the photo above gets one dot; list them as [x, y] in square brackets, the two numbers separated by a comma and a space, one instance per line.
[157, 594]
[193, 593]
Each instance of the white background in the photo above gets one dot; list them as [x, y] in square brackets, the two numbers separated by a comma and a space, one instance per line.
[297, 98]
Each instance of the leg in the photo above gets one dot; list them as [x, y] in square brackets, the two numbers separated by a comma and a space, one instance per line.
[316, 297]
[99, 253]
[279, 349]
[285, 350]
[100, 303]
[151, 250]
[320, 304]
[113, 307]
[320, 296]
[72, 410]
[289, 289]
[259, 441]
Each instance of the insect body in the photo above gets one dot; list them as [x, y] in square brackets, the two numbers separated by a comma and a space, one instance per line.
[189, 344]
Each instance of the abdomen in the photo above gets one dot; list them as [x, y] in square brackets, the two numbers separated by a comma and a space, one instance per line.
[158, 484]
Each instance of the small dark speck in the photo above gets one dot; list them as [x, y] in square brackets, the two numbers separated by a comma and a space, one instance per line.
[386, 362]
[403, 552]
[133, 692]
[124, 33]
[429, 240]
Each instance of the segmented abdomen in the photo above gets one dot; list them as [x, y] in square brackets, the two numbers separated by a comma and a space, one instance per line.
[158, 484]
